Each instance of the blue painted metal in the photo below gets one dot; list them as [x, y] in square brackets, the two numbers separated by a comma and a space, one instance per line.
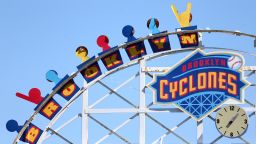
[199, 102]
[128, 31]
[153, 27]
[52, 76]
[12, 126]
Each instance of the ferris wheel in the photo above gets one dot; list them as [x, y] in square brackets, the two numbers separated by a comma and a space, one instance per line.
[173, 88]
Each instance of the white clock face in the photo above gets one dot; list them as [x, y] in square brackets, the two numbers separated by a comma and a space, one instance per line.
[231, 121]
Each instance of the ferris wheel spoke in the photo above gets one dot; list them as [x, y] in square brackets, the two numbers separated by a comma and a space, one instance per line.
[150, 104]
[251, 104]
[62, 126]
[166, 128]
[173, 129]
[149, 74]
[107, 128]
[213, 119]
[59, 135]
[119, 95]
[215, 140]
[251, 114]
[117, 88]
[250, 74]
[242, 139]
[117, 128]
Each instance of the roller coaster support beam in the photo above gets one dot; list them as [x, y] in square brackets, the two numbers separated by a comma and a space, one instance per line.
[142, 105]
[85, 118]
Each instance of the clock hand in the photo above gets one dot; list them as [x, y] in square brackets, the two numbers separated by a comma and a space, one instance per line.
[229, 124]
[232, 120]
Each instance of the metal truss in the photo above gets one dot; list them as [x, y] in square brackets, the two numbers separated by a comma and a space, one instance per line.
[142, 111]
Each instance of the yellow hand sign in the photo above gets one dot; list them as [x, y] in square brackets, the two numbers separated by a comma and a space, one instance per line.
[185, 17]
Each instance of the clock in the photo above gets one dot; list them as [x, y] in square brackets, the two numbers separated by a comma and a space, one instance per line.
[231, 121]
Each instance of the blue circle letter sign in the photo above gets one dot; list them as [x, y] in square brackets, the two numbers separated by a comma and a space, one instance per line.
[200, 83]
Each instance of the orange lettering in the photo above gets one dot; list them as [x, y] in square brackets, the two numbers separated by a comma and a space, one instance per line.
[191, 81]
[111, 60]
[222, 80]
[134, 52]
[201, 81]
[173, 89]
[160, 42]
[162, 94]
[50, 108]
[68, 89]
[32, 134]
[183, 91]
[91, 71]
[188, 39]
[231, 79]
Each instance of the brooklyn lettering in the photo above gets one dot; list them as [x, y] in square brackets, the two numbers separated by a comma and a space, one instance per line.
[204, 63]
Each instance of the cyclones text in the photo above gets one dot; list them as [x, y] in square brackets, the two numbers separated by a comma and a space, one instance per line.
[211, 80]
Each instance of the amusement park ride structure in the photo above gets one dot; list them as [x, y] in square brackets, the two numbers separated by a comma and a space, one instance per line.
[143, 110]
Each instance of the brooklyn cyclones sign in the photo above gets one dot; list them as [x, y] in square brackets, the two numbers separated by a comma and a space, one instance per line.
[201, 82]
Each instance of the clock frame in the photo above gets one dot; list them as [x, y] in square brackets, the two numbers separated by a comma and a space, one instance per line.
[231, 121]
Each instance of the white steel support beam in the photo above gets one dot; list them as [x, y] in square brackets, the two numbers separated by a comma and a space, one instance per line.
[109, 129]
[248, 68]
[53, 121]
[120, 96]
[200, 128]
[166, 128]
[215, 140]
[117, 88]
[60, 136]
[200, 39]
[85, 118]
[245, 141]
[117, 128]
[132, 110]
[63, 125]
[142, 105]
[172, 130]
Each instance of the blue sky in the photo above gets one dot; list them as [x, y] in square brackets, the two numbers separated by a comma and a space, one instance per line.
[36, 36]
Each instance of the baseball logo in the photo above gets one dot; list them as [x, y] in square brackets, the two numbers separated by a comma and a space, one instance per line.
[235, 62]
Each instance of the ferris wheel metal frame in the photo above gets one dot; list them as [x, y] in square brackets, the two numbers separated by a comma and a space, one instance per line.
[142, 110]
